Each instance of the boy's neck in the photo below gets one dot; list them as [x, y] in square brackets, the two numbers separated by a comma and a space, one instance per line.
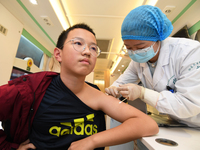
[75, 84]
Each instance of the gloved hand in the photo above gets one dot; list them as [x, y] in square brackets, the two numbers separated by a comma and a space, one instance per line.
[131, 91]
[134, 91]
[112, 90]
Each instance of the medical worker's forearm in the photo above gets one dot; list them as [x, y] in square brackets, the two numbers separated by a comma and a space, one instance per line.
[149, 96]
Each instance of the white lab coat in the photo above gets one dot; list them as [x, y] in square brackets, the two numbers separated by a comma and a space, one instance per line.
[178, 66]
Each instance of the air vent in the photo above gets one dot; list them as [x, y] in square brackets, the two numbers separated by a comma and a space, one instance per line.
[104, 46]
[3, 30]
[47, 20]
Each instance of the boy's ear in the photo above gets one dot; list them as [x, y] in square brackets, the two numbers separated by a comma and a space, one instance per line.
[57, 54]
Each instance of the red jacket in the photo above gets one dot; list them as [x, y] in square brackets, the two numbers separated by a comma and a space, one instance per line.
[16, 100]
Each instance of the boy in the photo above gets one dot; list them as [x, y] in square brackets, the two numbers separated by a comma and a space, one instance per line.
[67, 112]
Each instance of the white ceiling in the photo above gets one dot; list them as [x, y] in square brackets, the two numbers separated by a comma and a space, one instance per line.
[104, 16]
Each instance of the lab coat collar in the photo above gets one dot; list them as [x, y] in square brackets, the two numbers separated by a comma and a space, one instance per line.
[163, 60]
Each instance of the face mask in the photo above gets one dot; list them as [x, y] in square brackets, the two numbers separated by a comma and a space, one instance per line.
[143, 55]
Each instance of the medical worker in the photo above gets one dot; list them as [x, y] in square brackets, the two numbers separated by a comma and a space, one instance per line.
[169, 68]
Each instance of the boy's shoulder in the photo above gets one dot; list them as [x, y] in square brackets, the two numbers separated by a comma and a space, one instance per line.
[93, 85]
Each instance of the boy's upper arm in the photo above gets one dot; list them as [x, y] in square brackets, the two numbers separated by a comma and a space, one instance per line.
[116, 110]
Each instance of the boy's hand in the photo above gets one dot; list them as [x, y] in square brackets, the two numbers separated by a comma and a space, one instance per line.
[84, 144]
[26, 145]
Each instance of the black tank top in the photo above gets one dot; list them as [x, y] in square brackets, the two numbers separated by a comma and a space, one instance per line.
[63, 118]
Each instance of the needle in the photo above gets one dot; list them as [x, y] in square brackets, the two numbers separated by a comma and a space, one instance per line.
[122, 100]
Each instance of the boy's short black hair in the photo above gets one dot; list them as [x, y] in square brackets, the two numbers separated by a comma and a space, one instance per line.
[64, 34]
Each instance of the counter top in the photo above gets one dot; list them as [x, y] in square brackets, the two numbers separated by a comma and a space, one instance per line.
[186, 138]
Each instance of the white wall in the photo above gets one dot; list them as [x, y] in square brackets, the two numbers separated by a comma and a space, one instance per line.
[8, 43]
[90, 77]
[113, 78]
[189, 18]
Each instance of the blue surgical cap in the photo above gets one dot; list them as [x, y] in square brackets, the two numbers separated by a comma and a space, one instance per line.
[146, 23]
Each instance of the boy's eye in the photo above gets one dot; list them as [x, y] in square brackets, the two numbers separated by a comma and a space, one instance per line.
[94, 48]
[77, 43]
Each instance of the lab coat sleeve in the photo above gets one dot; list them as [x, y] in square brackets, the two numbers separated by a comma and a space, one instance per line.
[185, 102]
[8, 93]
[129, 75]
